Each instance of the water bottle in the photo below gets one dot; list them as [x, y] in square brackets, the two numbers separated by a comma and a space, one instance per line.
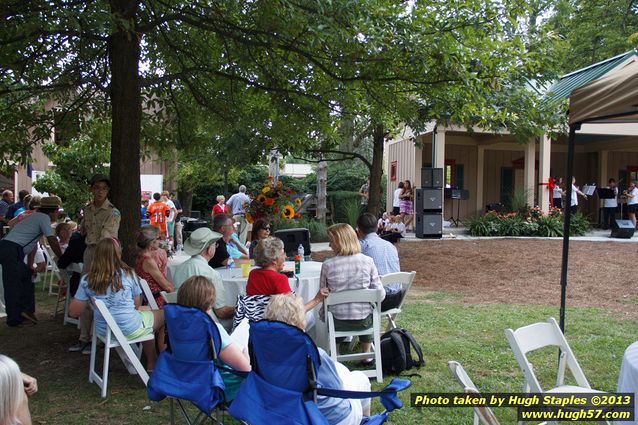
[300, 251]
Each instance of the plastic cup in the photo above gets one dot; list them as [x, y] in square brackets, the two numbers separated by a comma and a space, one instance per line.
[245, 270]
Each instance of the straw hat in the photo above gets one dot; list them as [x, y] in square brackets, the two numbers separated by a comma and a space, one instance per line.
[199, 239]
[50, 202]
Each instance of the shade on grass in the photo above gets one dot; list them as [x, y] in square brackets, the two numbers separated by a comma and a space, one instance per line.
[445, 328]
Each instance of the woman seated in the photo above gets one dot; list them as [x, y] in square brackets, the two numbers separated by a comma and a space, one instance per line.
[112, 281]
[382, 223]
[64, 231]
[236, 249]
[15, 386]
[197, 292]
[266, 280]
[289, 309]
[349, 269]
[261, 230]
[151, 262]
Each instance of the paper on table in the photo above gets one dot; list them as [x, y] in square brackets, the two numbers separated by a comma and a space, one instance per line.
[240, 334]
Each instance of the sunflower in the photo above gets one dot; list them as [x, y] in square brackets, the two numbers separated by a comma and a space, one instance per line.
[266, 189]
[261, 197]
[280, 184]
[249, 218]
[288, 212]
[269, 202]
[298, 201]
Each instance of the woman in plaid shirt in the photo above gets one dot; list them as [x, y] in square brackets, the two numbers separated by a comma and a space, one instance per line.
[347, 270]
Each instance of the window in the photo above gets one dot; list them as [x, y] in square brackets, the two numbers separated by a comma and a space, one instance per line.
[454, 174]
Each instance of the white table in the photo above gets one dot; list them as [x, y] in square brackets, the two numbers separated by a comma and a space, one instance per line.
[305, 284]
[628, 379]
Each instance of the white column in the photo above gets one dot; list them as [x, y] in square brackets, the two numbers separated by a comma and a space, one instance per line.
[528, 176]
[603, 162]
[480, 164]
[439, 148]
[544, 161]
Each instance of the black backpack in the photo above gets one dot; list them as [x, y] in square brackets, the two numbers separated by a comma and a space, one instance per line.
[396, 355]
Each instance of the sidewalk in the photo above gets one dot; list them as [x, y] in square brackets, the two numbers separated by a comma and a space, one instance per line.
[461, 233]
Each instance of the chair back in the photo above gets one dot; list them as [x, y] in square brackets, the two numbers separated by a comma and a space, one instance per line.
[538, 335]
[148, 294]
[372, 296]
[483, 413]
[404, 278]
[192, 334]
[283, 355]
[169, 297]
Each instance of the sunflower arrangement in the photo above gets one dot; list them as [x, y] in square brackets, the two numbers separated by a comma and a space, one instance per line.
[272, 201]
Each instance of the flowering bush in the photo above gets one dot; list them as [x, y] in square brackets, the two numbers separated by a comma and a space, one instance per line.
[529, 223]
[273, 201]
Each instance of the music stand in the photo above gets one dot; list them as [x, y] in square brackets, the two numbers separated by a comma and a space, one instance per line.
[605, 193]
[458, 195]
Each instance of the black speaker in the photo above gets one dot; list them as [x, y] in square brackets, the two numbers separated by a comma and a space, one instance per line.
[431, 177]
[623, 229]
[292, 238]
[429, 200]
[429, 225]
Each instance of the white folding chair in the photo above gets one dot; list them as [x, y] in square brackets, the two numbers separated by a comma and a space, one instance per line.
[405, 279]
[148, 294]
[169, 297]
[373, 297]
[545, 334]
[115, 338]
[52, 272]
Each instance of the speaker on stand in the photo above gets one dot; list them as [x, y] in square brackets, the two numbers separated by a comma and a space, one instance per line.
[429, 204]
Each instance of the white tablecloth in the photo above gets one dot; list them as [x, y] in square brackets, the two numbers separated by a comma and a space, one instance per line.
[628, 379]
[173, 262]
[305, 284]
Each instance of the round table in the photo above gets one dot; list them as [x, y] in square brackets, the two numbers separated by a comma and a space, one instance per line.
[628, 378]
[305, 284]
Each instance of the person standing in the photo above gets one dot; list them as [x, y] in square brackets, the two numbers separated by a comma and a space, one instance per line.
[236, 204]
[396, 199]
[575, 192]
[610, 205]
[143, 210]
[632, 201]
[220, 207]
[101, 220]
[19, 291]
[364, 193]
[557, 194]
[157, 212]
[170, 220]
[407, 208]
[178, 221]
[5, 203]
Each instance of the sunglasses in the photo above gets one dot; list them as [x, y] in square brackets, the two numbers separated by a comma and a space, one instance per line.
[266, 228]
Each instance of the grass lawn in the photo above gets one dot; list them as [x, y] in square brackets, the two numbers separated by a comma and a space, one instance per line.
[446, 327]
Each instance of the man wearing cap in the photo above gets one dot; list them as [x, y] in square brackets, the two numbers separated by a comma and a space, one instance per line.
[201, 247]
[19, 290]
[101, 220]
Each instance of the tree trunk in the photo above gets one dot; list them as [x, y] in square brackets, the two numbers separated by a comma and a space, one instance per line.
[322, 193]
[124, 55]
[376, 171]
[186, 198]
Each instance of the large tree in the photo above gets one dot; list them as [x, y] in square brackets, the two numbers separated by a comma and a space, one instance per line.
[278, 72]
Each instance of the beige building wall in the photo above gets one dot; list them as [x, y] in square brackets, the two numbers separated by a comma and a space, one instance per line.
[408, 160]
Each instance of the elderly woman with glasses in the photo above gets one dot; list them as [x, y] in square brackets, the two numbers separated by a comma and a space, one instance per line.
[151, 262]
[261, 230]
[266, 280]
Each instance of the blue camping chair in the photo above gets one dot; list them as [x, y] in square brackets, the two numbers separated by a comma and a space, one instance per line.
[186, 370]
[282, 390]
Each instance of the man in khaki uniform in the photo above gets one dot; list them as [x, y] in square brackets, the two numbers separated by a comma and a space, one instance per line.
[101, 220]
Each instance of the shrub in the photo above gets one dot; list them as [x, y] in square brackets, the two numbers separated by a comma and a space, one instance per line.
[550, 226]
[532, 223]
[316, 228]
[579, 225]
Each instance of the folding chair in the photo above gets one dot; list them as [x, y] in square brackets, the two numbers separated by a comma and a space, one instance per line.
[114, 338]
[146, 291]
[405, 279]
[373, 297]
[169, 297]
[281, 388]
[186, 369]
[544, 334]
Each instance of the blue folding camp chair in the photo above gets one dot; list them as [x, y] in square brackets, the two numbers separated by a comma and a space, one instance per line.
[186, 369]
[282, 390]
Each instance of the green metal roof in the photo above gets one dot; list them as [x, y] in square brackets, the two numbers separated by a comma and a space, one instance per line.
[567, 83]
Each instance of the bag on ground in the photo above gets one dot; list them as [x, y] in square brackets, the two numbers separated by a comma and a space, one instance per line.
[396, 351]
